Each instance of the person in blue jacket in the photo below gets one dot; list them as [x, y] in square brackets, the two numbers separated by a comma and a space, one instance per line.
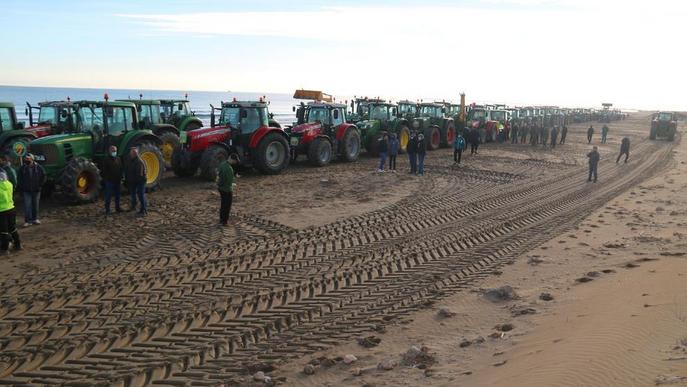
[458, 147]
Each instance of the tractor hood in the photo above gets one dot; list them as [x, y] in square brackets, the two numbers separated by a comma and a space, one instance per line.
[369, 125]
[63, 138]
[306, 128]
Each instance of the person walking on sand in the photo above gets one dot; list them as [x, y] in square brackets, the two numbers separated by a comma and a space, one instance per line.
[112, 179]
[554, 136]
[624, 149]
[8, 216]
[225, 185]
[412, 152]
[6, 166]
[564, 133]
[136, 178]
[594, 158]
[590, 134]
[421, 152]
[31, 180]
[474, 141]
[383, 147]
[458, 147]
[394, 146]
[604, 134]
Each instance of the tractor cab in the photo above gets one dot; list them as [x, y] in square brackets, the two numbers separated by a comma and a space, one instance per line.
[663, 124]
[14, 139]
[8, 118]
[53, 117]
[360, 108]
[432, 110]
[174, 110]
[325, 115]
[407, 109]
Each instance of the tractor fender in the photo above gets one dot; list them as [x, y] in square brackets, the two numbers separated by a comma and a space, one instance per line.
[158, 129]
[341, 130]
[262, 132]
[190, 120]
[137, 137]
[8, 137]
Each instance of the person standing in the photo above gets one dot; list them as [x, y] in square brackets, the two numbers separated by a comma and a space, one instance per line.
[394, 146]
[383, 148]
[112, 178]
[31, 180]
[590, 134]
[474, 141]
[8, 216]
[604, 134]
[523, 135]
[412, 152]
[421, 151]
[136, 178]
[624, 149]
[514, 133]
[6, 165]
[225, 185]
[534, 132]
[564, 133]
[458, 147]
[554, 136]
[594, 158]
[544, 135]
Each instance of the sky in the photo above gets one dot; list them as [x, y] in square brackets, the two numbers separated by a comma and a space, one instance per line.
[555, 52]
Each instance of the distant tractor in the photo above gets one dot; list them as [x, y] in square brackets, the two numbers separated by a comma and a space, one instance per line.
[72, 160]
[149, 114]
[439, 130]
[322, 133]
[408, 109]
[54, 117]
[14, 139]
[242, 130]
[177, 112]
[383, 117]
[663, 124]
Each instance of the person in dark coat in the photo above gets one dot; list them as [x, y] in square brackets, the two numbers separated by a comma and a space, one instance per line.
[394, 146]
[590, 134]
[474, 141]
[226, 185]
[136, 178]
[421, 152]
[514, 133]
[383, 147]
[594, 158]
[624, 149]
[554, 136]
[31, 180]
[412, 152]
[564, 133]
[112, 179]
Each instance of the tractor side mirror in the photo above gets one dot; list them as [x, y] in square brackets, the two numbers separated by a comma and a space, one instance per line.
[244, 114]
[63, 113]
[293, 108]
[26, 111]
[180, 106]
[336, 114]
[443, 110]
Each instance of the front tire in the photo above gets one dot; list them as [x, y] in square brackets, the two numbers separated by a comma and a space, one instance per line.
[272, 154]
[154, 163]
[170, 141]
[320, 152]
[351, 145]
[184, 163]
[210, 161]
[79, 181]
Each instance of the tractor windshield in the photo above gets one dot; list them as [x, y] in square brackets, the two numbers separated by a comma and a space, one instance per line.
[318, 114]
[230, 116]
[5, 119]
[48, 114]
[379, 112]
[254, 118]
[430, 111]
[498, 116]
[91, 118]
[363, 109]
[665, 117]
[150, 114]
[119, 120]
[405, 108]
[477, 114]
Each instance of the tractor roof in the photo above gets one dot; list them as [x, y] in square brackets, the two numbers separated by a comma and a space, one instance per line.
[326, 104]
[6, 105]
[172, 101]
[369, 100]
[105, 103]
[142, 101]
[434, 104]
[56, 103]
[406, 102]
[245, 104]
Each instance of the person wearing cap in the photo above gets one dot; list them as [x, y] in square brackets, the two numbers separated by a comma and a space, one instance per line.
[112, 178]
[8, 216]
[225, 185]
[30, 182]
[421, 150]
[136, 178]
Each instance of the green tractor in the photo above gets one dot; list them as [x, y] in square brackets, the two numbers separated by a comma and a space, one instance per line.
[177, 112]
[150, 116]
[383, 117]
[71, 160]
[436, 127]
[14, 139]
[408, 109]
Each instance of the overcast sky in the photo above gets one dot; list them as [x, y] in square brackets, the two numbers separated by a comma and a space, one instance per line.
[564, 52]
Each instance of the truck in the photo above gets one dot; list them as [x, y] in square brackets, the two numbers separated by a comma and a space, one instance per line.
[663, 124]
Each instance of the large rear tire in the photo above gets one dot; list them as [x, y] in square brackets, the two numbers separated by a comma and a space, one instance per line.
[320, 152]
[79, 181]
[350, 147]
[433, 138]
[210, 161]
[272, 154]
[170, 141]
[403, 139]
[652, 134]
[154, 164]
[450, 134]
[184, 163]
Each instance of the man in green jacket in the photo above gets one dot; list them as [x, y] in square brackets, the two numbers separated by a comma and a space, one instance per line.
[8, 216]
[225, 185]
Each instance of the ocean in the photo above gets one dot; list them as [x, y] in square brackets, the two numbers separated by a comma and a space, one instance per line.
[280, 104]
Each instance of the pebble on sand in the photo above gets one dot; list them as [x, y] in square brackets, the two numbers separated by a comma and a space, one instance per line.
[445, 313]
[387, 364]
[504, 293]
[348, 359]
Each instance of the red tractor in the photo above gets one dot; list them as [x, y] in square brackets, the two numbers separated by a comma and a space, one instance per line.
[243, 130]
[322, 133]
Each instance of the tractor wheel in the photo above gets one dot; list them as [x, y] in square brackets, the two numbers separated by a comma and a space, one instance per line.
[79, 181]
[170, 141]
[403, 138]
[272, 154]
[671, 135]
[350, 145]
[16, 148]
[210, 161]
[450, 135]
[320, 152]
[184, 163]
[652, 134]
[433, 138]
[154, 163]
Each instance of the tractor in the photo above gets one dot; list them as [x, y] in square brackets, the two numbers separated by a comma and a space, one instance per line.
[54, 117]
[663, 124]
[408, 109]
[243, 130]
[177, 112]
[479, 118]
[322, 133]
[383, 117]
[149, 114]
[14, 139]
[71, 160]
[438, 129]
[360, 109]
